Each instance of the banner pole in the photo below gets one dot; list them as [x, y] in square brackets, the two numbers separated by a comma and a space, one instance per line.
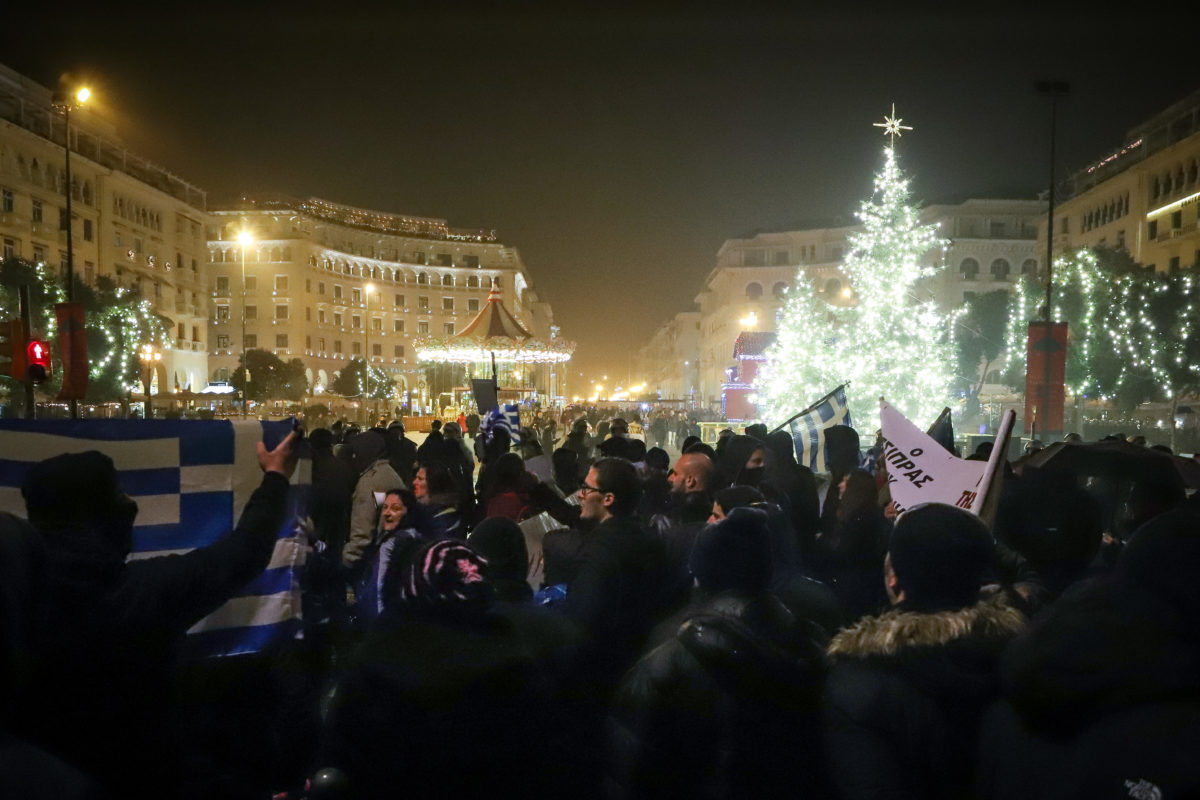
[995, 470]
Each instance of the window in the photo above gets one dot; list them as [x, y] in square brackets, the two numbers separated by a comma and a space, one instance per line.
[320, 287]
[447, 304]
[88, 233]
[356, 322]
[398, 351]
[445, 260]
[281, 312]
[1152, 229]
[376, 349]
[281, 340]
[497, 282]
[397, 326]
[195, 333]
[472, 281]
[1000, 269]
[39, 254]
[1120, 238]
[422, 279]
[781, 258]
[251, 341]
[473, 304]
[321, 316]
[1176, 220]
[399, 301]
[447, 280]
[1029, 266]
[321, 344]
[337, 345]
[448, 328]
[308, 343]
[754, 258]
[10, 248]
[356, 348]
[423, 328]
[754, 290]
[308, 284]
[7, 202]
[969, 269]
[1173, 265]
[377, 325]
[422, 303]
[356, 295]
[37, 210]
[471, 261]
[222, 313]
[337, 292]
[281, 283]
[1066, 225]
[419, 258]
[223, 340]
[337, 320]
[308, 314]
[251, 283]
[251, 312]
[779, 289]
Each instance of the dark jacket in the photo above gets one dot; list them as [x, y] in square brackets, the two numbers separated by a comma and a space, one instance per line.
[905, 696]
[440, 704]
[101, 691]
[728, 707]
[1103, 692]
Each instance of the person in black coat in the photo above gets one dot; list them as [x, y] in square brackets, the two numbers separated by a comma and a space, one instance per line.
[729, 705]
[849, 558]
[908, 688]
[401, 452]
[100, 696]
[784, 479]
[451, 692]
[1102, 693]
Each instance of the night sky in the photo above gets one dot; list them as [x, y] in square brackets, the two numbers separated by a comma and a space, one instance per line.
[616, 150]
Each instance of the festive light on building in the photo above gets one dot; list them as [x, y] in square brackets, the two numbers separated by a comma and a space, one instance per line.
[885, 344]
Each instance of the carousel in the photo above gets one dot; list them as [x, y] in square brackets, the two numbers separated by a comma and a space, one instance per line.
[496, 344]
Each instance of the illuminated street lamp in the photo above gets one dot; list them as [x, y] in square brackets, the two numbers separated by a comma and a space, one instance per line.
[65, 102]
[245, 239]
[367, 290]
[150, 357]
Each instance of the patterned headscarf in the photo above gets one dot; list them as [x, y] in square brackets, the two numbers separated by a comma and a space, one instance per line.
[446, 573]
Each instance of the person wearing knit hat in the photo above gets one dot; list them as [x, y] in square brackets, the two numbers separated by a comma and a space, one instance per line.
[908, 688]
[501, 543]
[733, 554]
[444, 575]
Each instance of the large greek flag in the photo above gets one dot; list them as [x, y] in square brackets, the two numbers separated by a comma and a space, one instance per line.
[191, 479]
[808, 430]
[507, 417]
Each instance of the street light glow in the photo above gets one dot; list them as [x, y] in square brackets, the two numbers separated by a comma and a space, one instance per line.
[245, 238]
[369, 288]
[83, 94]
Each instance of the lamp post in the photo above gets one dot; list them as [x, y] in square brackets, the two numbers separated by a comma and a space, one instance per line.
[149, 357]
[245, 239]
[64, 102]
[1055, 89]
[367, 290]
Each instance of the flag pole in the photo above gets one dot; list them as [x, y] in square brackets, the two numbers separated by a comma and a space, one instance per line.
[810, 408]
[988, 497]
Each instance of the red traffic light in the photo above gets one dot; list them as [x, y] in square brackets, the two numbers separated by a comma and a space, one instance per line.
[38, 354]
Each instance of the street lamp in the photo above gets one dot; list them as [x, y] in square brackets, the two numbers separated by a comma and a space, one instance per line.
[149, 358]
[64, 103]
[370, 287]
[245, 239]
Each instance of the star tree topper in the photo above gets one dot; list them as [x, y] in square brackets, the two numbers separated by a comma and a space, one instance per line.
[891, 126]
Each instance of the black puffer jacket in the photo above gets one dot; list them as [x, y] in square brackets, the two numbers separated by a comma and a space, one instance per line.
[726, 708]
[905, 696]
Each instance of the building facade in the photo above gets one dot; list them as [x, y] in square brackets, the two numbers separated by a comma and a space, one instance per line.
[132, 221]
[1143, 197]
[327, 283]
[990, 243]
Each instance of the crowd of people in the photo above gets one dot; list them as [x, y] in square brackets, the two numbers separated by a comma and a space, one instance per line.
[578, 615]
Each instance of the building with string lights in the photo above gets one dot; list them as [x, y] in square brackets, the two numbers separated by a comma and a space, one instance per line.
[133, 221]
[1143, 196]
[327, 283]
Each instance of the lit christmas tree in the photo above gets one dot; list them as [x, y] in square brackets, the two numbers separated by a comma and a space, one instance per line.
[885, 342]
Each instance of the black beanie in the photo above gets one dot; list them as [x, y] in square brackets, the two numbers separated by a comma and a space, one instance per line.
[1161, 557]
[502, 543]
[939, 554]
[733, 554]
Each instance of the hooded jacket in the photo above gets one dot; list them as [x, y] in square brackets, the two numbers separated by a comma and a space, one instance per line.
[905, 696]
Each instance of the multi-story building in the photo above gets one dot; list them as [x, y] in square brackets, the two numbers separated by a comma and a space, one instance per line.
[990, 243]
[1143, 197]
[668, 361]
[327, 283]
[132, 220]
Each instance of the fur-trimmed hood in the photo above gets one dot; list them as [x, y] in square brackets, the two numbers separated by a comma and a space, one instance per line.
[896, 632]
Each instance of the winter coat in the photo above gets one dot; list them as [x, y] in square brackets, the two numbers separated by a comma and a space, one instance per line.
[364, 508]
[1102, 697]
[100, 696]
[441, 704]
[728, 707]
[905, 696]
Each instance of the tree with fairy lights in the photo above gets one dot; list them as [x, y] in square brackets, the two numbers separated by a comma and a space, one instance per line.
[886, 342]
[118, 321]
[354, 380]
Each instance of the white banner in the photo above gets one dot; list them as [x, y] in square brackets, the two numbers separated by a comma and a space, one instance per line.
[922, 471]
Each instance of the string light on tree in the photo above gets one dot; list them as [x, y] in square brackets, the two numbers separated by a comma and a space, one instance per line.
[886, 341]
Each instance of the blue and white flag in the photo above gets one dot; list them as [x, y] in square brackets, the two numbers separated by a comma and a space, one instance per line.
[808, 430]
[191, 479]
[507, 418]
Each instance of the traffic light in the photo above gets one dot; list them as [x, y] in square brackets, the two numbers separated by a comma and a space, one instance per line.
[12, 349]
[38, 354]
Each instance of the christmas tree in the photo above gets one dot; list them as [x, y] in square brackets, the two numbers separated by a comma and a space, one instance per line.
[886, 341]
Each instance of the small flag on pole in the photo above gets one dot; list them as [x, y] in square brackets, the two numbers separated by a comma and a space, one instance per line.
[508, 418]
[808, 429]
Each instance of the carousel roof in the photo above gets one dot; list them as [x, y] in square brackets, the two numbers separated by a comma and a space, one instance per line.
[493, 332]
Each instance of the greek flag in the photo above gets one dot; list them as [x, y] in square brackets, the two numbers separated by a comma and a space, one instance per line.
[808, 430]
[191, 479]
[507, 417]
